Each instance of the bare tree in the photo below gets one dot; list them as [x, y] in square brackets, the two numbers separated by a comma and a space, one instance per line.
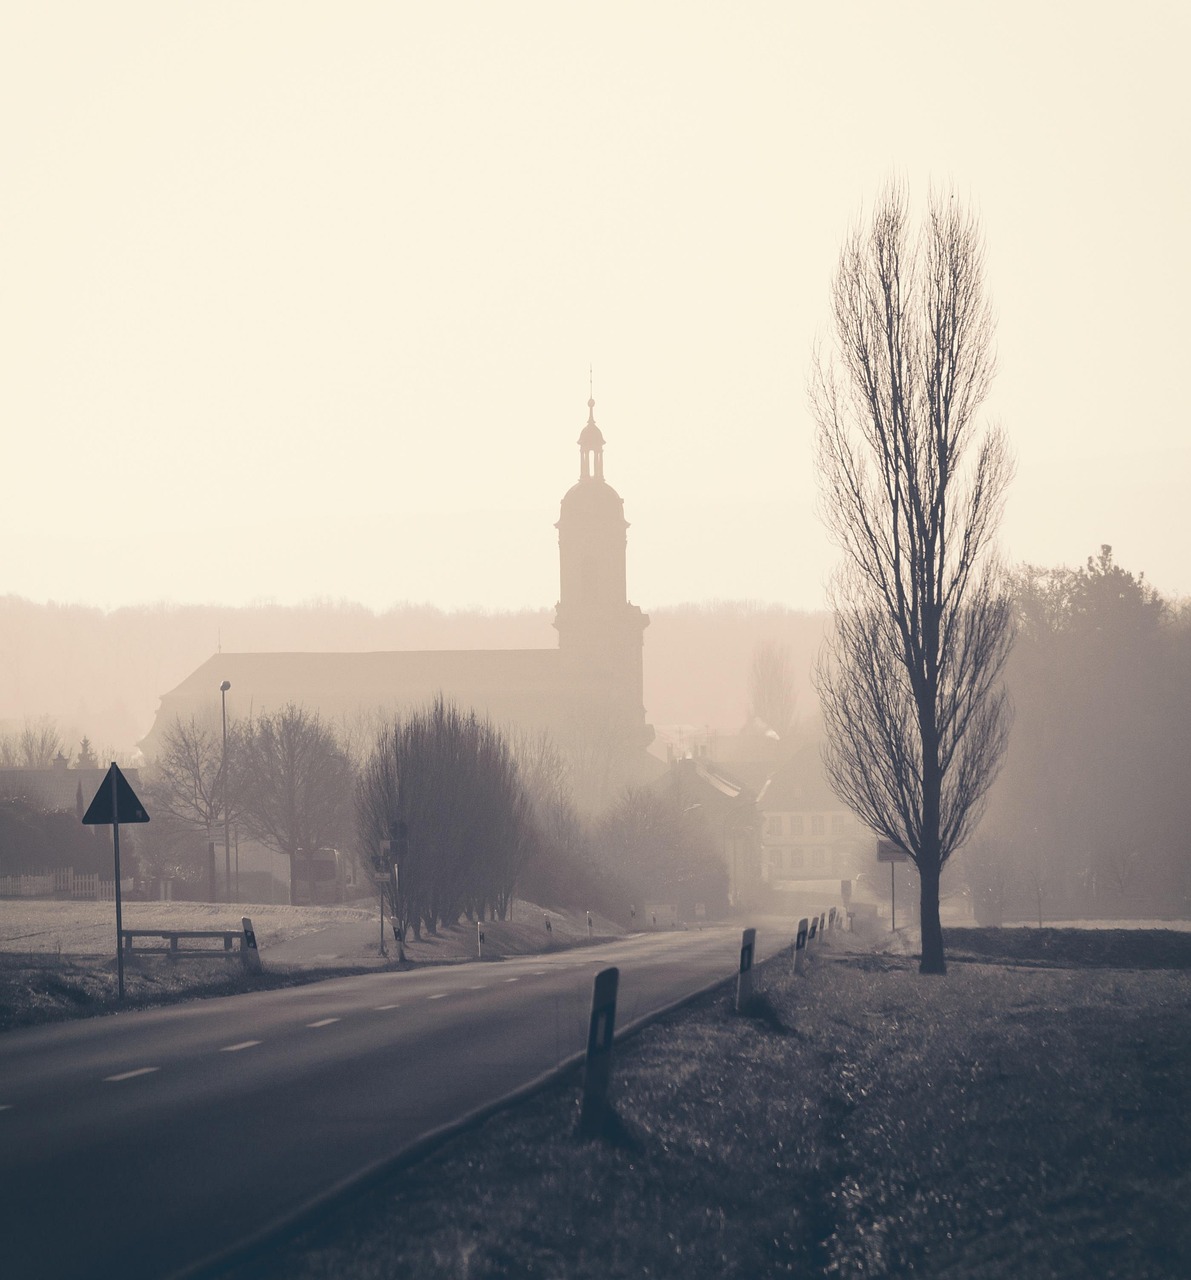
[39, 743]
[441, 794]
[297, 785]
[187, 781]
[912, 490]
[771, 688]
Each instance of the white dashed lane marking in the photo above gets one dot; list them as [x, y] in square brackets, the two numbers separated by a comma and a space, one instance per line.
[442, 995]
[381, 1007]
[235, 1048]
[512, 979]
[322, 1022]
[5, 1106]
[129, 1075]
[482, 987]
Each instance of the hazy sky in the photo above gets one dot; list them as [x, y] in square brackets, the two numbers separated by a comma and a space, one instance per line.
[298, 300]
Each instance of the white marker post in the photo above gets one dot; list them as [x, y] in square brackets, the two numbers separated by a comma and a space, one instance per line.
[744, 978]
[800, 946]
[250, 956]
[479, 940]
[597, 1067]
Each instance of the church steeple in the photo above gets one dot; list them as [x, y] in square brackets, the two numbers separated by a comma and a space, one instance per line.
[599, 631]
[591, 447]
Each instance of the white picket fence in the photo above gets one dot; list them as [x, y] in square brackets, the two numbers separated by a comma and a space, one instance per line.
[60, 883]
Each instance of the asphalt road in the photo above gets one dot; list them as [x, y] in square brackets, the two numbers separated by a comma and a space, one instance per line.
[136, 1145]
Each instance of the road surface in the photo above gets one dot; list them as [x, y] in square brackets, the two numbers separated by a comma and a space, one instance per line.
[138, 1144]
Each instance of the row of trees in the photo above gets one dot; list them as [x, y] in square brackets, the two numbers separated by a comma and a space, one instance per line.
[1090, 815]
[284, 779]
[38, 743]
[467, 813]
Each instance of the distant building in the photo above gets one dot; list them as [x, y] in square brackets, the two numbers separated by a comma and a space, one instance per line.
[587, 692]
[58, 788]
[808, 836]
[727, 808]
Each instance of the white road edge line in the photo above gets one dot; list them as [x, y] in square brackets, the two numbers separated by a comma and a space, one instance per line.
[128, 1075]
[322, 1022]
[235, 1048]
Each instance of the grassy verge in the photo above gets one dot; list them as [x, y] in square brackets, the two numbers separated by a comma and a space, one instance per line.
[1007, 1119]
[39, 990]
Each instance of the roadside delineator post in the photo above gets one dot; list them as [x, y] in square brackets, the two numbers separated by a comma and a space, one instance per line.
[479, 940]
[597, 1067]
[831, 921]
[812, 938]
[250, 956]
[744, 979]
[800, 946]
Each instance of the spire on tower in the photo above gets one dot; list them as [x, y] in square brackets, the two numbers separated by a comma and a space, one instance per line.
[591, 443]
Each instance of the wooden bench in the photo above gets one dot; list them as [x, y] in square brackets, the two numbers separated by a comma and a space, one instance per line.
[173, 936]
[247, 952]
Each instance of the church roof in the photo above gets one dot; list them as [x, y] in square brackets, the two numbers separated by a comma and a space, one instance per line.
[507, 685]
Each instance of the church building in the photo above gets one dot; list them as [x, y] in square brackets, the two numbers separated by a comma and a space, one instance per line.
[586, 693]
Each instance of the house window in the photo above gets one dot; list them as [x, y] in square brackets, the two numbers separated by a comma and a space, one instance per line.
[796, 825]
[817, 824]
[773, 825]
[838, 823]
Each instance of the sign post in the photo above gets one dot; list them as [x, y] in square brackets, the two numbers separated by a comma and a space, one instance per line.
[889, 852]
[115, 802]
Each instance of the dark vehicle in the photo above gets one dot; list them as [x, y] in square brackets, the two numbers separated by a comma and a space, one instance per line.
[321, 877]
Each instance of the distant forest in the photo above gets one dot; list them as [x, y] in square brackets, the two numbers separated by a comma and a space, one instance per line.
[100, 674]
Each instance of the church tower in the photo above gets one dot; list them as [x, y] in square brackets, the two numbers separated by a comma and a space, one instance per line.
[600, 635]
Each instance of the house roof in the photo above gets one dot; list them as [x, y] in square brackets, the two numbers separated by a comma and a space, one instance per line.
[58, 789]
[799, 784]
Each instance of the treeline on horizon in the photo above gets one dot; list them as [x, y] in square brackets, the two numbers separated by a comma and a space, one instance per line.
[1090, 815]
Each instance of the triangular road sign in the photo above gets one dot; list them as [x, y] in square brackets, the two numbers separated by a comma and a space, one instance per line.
[127, 809]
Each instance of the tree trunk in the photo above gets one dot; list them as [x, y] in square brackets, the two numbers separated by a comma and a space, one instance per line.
[932, 960]
[293, 881]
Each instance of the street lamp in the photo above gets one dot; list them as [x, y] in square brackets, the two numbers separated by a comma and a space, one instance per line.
[227, 838]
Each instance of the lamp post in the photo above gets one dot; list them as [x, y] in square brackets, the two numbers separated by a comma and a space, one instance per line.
[227, 837]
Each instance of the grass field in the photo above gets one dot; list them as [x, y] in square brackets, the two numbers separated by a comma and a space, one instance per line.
[57, 958]
[1027, 1115]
